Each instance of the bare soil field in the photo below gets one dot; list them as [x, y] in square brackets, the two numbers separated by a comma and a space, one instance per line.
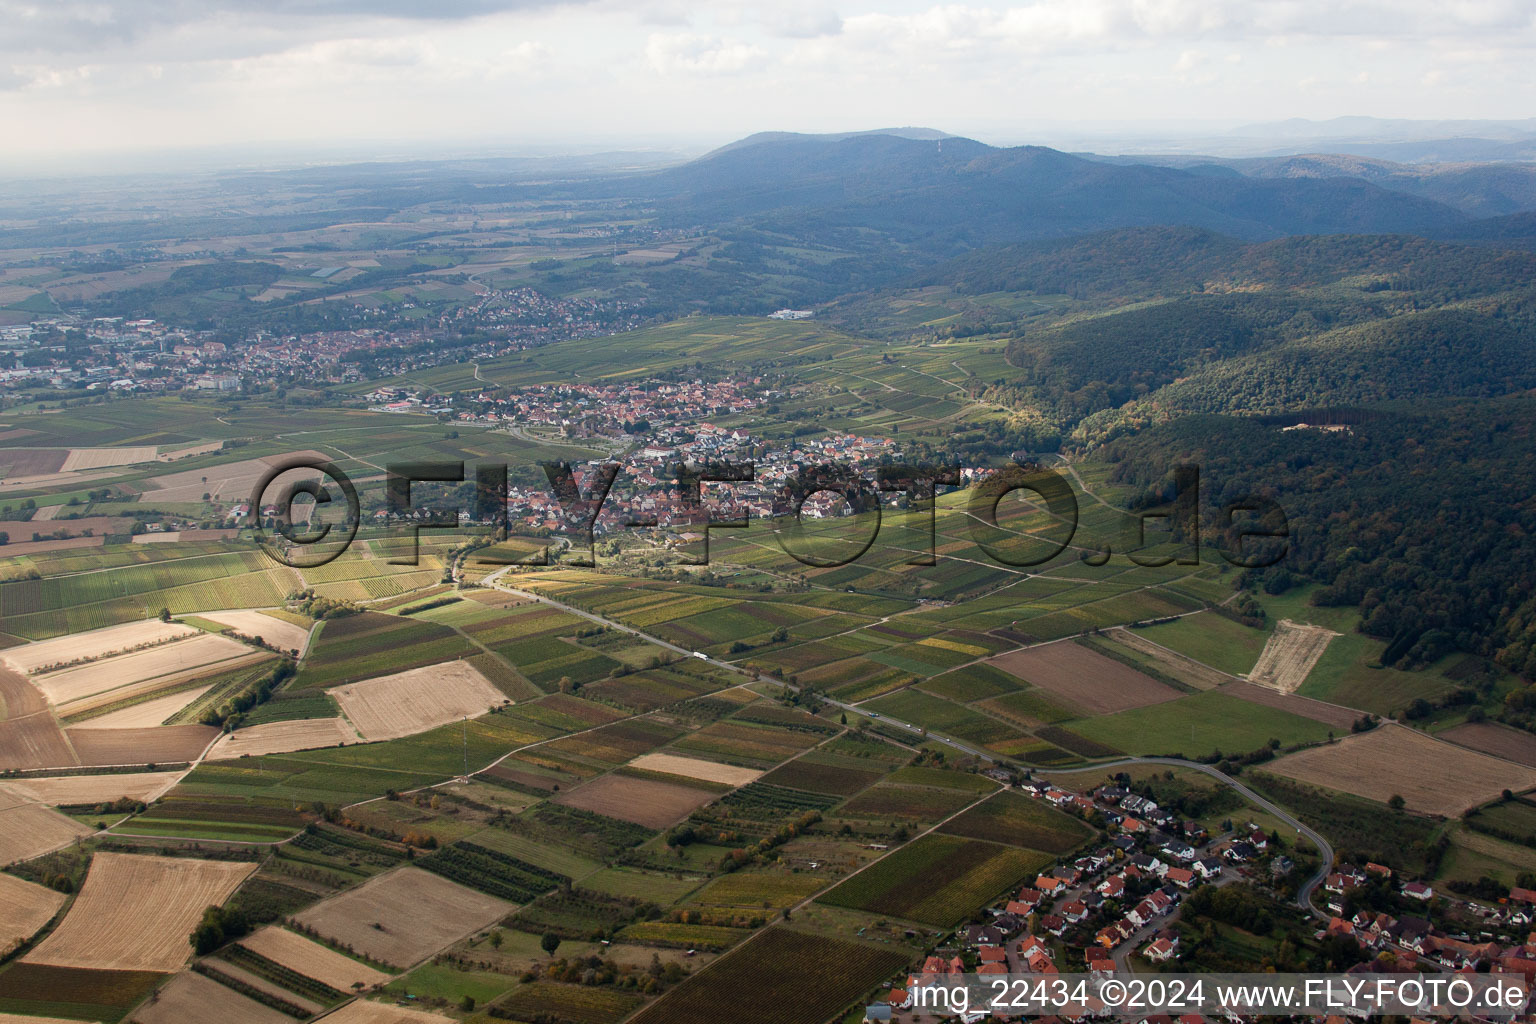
[74, 790]
[156, 685]
[1293, 648]
[34, 741]
[1319, 711]
[27, 483]
[31, 461]
[166, 744]
[24, 909]
[313, 960]
[23, 1018]
[283, 738]
[1180, 666]
[383, 1013]
[1498, 740]
[107, 458]
[30, 658]
[1431, 775]
[30, 830]
[414, 701]
[134, 913]
[193, 999]
[282, 635]
[647, 802]
[231, 481]
[403, 916]
[82, 681]
[148, 713]
[694, 768]
[1074, 675]
[18, 698]
[37, 547]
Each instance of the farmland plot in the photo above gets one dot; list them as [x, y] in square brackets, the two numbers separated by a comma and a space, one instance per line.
[166, 744]
[313, 960]
[82, 681]
[363, 1012]
[1074, 675]
[1289, 655]
[283, 738]
[416, 700]
[1498, 740]
[648, 802]
[193, 999]
[695, 768]
[144, 714]
[938, 880]
[403, 916]
[24, 909]
[75, 790]
[31, 658]
[134, 913]
[30, 830]
[285, 636]
[1431, 775]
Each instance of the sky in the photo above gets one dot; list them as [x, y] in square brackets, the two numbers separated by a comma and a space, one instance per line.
[81, 80]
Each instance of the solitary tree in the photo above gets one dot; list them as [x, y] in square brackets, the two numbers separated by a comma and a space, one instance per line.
[549, 943]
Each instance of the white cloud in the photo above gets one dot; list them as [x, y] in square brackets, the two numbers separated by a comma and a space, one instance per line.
[690, 53]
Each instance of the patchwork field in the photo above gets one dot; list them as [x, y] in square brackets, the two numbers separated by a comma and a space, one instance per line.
[134, 913]
[1431, 775]
[283, 738]
[1180, 666]
[24, 909]
[1498, 740]
[313, 960]
[403, 916]
[648, 802]
[696, 768]
[1019, 820]
[1288, 657]
[30, 830]
[190, 997]
[416, 700]
[1078, 677]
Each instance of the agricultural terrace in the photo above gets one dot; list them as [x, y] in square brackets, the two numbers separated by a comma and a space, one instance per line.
[134, 913]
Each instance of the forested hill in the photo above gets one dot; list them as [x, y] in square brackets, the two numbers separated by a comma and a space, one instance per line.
[1424, 519]
[953, 193]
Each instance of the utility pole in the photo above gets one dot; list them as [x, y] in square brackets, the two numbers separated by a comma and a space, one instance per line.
[464, 724]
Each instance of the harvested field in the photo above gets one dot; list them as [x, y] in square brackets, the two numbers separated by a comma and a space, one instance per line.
[1431, 775]
[106, 458]
[283, 738]
[23, 1018]
[34, 741]
[30, 830]
[147, 713]
[231, 481]
[313, 960]
[362, 1012]
[1293, 648]
[125, 695]
[32, 461]
[1306, 707]
[1074, 675]
[285, 636]
[24, 909]
[647, 802]
[95, 644]
[82, 681]
[37, 547]
[696, 768]
[1498, 740]
[167, 744]
[1180, 666]
[416, 700]
[74, 790]
[193, 999]
[134, 913]
[403, 916]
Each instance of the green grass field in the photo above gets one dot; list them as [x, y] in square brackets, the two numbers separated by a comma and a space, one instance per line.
[1199, 725]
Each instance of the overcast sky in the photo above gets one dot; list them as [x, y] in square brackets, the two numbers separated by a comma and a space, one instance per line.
[111, 75]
